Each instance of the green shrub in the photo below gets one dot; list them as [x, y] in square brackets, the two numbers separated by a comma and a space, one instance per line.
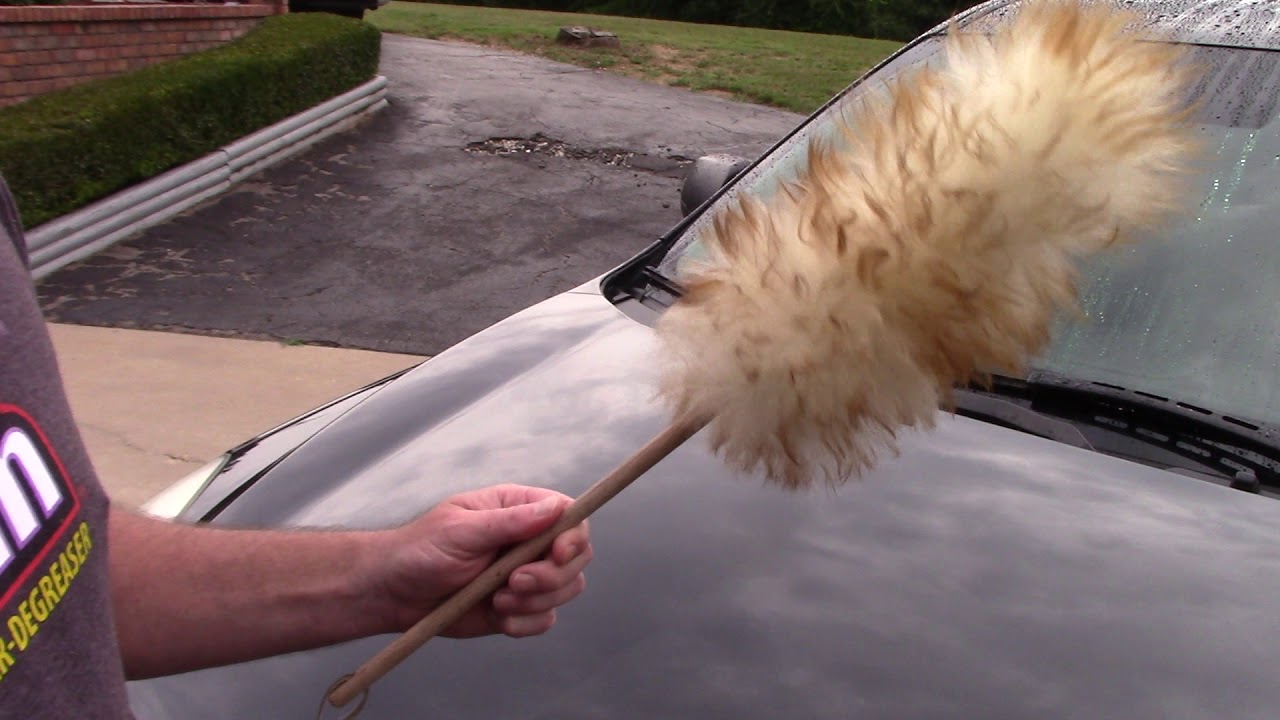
[61, 151]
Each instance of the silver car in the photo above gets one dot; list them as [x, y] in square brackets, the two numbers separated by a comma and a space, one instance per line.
[1097, 539]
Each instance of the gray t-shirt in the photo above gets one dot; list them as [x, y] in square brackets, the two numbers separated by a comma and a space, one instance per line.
[58, 652]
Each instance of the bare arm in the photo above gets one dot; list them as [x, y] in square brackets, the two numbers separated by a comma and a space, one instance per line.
[188, 597]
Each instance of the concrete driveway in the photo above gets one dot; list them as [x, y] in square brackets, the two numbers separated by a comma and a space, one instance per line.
[154, 406]
[493, 181]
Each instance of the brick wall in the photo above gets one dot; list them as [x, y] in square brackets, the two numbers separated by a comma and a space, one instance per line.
[43, 49]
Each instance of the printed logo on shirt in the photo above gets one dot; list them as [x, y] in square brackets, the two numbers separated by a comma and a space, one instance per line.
[42, 544]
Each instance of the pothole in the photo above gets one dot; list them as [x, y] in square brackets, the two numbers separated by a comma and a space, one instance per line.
[542, 145]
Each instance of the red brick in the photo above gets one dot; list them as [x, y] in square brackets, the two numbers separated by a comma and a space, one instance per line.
[117, 65]
[65, 28]
[53, 70]
[22, 43]
[37, 57]
[94, 41]
[96, 67]
[67, 82]
[59, 71]
[39, 87]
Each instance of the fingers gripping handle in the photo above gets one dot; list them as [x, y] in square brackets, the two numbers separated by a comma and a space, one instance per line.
[496, 575]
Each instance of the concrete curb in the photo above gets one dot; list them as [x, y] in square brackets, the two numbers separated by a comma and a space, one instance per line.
[86, 231]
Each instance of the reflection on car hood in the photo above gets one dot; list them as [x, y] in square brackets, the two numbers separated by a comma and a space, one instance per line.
[982, 573]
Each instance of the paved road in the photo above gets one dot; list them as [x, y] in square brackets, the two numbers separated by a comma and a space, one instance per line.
[409, 233]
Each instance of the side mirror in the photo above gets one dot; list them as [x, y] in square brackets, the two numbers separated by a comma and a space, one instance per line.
[705, 178]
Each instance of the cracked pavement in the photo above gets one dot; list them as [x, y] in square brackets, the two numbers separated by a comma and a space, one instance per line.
[398, 235]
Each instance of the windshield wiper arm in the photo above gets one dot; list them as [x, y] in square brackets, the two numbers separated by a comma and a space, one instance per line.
[1002, 412]
[1244, 450]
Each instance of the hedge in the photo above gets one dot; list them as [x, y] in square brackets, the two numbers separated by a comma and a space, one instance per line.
[64, 150]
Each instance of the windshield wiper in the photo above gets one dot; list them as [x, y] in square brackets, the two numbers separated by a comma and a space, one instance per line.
[982, 406]
[1246, 453]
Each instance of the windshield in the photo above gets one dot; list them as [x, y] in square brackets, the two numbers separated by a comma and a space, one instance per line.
[1193, 315]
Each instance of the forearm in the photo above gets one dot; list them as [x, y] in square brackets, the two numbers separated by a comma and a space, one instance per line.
[192, 597]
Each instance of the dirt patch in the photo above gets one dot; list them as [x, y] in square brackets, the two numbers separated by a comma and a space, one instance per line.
[541, 145]
[674, 60]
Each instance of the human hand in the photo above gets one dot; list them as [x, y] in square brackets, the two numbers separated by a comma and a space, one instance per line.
[447, 547]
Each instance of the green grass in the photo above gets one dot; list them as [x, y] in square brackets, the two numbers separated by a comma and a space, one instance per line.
[795, 71]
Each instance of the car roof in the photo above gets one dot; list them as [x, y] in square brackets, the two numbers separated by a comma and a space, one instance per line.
[1241, 23]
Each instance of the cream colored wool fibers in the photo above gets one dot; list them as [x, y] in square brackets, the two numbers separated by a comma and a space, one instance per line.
[932, 247]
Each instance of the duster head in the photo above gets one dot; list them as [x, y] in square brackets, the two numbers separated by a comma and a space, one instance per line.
[929, 244]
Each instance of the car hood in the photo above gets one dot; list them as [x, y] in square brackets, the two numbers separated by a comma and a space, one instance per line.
[983, 572]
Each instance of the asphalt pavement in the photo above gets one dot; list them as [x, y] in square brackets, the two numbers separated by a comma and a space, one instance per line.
[494, 180]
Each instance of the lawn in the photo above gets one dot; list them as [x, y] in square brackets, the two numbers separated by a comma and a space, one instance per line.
[795, 71]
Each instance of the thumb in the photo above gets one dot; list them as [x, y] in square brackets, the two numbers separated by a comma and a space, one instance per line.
[507, 526]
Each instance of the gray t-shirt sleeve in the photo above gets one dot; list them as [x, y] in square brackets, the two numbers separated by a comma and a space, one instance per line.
[58, 652]
[11, 220]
